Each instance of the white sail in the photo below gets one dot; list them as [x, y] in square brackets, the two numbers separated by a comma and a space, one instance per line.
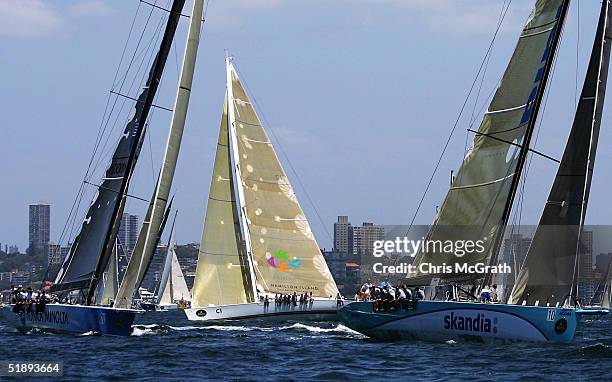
[164, 292]
[177, 280]
[286, 257]
[150, 231]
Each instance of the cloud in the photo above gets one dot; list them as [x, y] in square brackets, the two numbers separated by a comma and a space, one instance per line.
[448, 16]
[89, 8]
[25, 18]
[438, 16]
[288, 136]
[34, 18]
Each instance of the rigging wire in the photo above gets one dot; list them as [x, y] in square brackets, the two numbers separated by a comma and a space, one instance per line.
[474, 82]
[577, 53]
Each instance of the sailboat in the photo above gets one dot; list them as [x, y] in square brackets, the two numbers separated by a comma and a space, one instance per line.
[172, 292]
[83, 269]
[544, 304]
[257, 245]
[601, 297]
[159, 207]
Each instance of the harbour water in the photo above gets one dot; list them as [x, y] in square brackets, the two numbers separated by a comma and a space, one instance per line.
[164, 346]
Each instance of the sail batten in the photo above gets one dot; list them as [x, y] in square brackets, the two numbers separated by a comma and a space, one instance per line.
[550, 268]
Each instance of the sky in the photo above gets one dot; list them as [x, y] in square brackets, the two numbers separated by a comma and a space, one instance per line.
[361, 95]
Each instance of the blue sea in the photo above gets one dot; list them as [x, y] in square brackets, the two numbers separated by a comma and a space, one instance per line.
[164, 346]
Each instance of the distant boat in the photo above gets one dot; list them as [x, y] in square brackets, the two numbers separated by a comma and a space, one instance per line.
[544, 304]
[82, 274]
[256, 243]
[172, 290]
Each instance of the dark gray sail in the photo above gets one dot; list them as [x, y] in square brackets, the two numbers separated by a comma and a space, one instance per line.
[90, 253]
[549, 272]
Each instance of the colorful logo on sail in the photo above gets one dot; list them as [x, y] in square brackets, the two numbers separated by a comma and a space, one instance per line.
[280, 260]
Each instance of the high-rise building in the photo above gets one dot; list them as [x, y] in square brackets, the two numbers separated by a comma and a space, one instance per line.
[128, 232]
[364, 237]
[343, 235]
[40, 218]
[515, 250]
[54, 256]
[586, 281]
[602, 261]
[13, 249]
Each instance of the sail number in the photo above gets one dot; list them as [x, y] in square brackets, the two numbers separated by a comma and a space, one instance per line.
[552, 313]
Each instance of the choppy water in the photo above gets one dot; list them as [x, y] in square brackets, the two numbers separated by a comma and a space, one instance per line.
[164, 346]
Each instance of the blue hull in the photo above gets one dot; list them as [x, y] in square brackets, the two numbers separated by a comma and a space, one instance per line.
[446, 320]
[74, 319]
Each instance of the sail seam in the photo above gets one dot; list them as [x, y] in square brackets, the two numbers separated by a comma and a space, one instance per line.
[541, 26]
[221, 200]
[537, 33]
[505, 110]
[483, 184]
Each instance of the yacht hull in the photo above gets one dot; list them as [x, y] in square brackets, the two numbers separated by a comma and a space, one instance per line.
[74, 319]
[440, 321]
[324, 309]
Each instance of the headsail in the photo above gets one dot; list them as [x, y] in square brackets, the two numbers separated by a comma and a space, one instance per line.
[478, 203]
[285, 254]
[549, 271]
[110, 282]
[222, 273]
[148, 235]
[180, 291]
[92, 248]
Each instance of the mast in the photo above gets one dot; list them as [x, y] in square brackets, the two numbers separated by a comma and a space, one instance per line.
[140, 125]
[245, 243]
[530, 116]
[140, 260]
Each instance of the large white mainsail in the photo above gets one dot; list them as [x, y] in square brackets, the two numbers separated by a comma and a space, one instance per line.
[149, 233]
[548, 275]
[479, 199]
[285, 254]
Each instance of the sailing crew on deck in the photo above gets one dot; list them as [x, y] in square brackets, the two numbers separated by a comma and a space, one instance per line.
[494, 296]
[339, 300]
[485, 294]
[419, 294]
